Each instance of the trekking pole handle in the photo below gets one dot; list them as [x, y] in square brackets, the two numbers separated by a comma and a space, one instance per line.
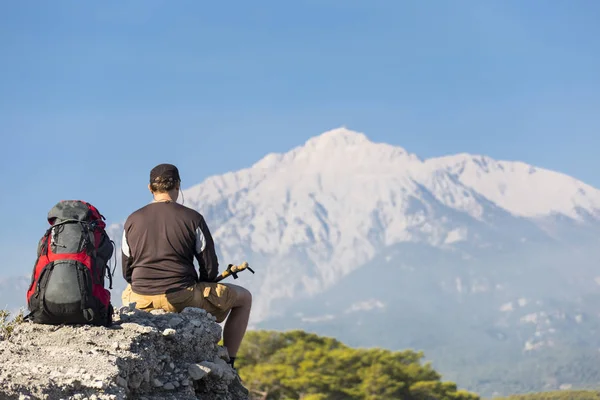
[233, 270]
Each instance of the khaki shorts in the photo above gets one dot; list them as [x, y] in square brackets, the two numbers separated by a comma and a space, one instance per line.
[216, 298]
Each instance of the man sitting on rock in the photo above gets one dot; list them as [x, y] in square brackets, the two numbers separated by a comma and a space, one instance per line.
[160, 241]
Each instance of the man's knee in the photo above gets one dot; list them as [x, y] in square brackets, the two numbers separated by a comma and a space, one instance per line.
[247, 296]
[243, 296]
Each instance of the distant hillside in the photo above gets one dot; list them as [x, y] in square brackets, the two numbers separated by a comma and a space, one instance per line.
[561, 395]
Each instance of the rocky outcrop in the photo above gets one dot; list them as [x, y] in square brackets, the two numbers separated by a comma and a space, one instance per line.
[144, 355]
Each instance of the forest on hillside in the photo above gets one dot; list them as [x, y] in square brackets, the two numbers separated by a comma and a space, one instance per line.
[299, 365]
[559, 395]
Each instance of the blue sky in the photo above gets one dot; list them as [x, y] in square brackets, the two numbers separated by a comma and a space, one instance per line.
[93, 94]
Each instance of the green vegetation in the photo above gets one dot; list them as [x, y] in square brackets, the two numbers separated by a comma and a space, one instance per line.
[7, 325]
[300, 365]
[562, 395]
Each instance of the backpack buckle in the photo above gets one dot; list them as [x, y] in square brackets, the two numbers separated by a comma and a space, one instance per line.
[88, 314]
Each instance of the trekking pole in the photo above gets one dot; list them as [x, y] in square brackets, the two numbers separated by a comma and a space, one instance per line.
[233, 270]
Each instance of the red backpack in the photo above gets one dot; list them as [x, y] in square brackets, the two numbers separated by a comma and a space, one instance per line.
[67, 284]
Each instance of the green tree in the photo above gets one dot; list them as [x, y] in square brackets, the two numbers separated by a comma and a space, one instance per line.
[300, 365]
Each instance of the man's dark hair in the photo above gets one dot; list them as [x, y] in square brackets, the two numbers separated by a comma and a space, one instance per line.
[164, 177]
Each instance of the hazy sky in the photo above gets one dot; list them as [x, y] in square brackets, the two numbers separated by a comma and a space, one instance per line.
[93, 94]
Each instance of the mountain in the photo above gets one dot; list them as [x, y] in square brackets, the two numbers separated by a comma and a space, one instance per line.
[489, 267]
[322, 210]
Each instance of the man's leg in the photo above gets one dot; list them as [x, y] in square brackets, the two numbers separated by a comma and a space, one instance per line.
[126, 295]
[237, 321]
[142, 302]
[226, 302]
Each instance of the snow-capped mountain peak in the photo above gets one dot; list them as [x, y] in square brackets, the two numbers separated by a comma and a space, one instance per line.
[336, 138]
[339, 186]
[339, 150]
[522, 189]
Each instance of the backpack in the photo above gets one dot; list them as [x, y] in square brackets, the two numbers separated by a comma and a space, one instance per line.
[67, 283]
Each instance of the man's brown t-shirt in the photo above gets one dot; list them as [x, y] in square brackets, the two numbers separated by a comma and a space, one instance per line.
[160, 241]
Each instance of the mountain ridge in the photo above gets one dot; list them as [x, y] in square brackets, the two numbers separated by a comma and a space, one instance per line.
[348, 141]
